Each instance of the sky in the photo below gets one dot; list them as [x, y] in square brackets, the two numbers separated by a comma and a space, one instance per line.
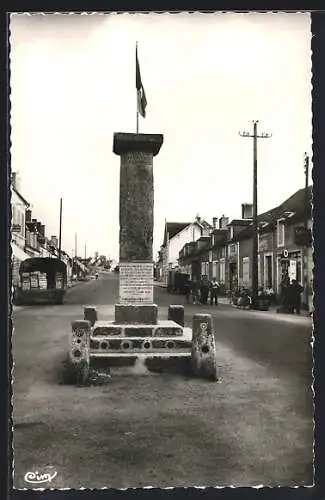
[206, 77]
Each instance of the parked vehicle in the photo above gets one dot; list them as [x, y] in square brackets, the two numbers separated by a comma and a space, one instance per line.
[42, 280]
[242, 298]
[177, 282]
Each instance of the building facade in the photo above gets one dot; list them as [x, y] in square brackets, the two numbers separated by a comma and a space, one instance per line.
[176, 235]
[18, 229]
[284, 249]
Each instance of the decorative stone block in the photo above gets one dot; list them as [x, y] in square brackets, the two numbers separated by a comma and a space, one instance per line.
[204, 362]
[145, 314]
[90, 314]
[176, 313]
[138, 331]
[168, 331]
[79, 349]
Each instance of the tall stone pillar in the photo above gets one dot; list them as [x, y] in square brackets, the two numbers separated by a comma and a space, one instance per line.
[136, 227]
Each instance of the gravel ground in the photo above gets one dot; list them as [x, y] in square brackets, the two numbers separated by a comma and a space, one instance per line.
[158, 429]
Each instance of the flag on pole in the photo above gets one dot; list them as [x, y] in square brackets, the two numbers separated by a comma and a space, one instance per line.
[142, 101]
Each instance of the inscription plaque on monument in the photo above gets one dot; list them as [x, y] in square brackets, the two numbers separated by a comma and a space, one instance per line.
[136, 283]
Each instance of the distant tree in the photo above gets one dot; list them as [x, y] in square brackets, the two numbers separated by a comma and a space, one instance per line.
[103, 261]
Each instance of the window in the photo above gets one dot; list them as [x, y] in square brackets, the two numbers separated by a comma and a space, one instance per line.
[280, 233]
[232, 249]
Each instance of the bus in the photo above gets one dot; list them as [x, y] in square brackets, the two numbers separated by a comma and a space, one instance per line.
[42, 280]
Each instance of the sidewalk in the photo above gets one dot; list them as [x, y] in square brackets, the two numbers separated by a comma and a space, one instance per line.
[160, 283]
[272, 310]
[270, 313]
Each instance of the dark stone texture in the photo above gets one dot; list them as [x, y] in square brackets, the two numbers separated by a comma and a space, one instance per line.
[149, 143]
[138, 331]
[136, 207]
[90, 314]
[176, 313]
[80, 324]
[145, 314]
[107, 330]
[167, 331]
[204, 361]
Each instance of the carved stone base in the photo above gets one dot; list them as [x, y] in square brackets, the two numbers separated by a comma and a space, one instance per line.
[204, 362]
[145, 314]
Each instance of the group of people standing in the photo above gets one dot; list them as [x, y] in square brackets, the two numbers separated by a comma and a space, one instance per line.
[291, 296]
[201, 291]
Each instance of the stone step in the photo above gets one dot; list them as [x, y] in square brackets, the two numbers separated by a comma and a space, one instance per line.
[166, 328]
[105, 343]
[134, 355]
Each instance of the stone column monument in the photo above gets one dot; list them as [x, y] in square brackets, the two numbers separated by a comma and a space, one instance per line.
[136, 227]
[135, 333]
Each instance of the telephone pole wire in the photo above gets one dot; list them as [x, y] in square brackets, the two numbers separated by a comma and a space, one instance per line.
[255, 136]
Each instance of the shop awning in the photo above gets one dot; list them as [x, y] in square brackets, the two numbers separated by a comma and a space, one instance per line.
[18, 252]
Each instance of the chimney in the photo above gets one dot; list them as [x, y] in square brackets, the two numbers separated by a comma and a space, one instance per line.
[42, 230]
[39, 225]
[28, 215]
[215, 222]
[247, 211]
[223, 221]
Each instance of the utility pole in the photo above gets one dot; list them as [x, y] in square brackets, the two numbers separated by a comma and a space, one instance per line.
[255, 136]
[60, 230]
[75, 245]
[85, 250]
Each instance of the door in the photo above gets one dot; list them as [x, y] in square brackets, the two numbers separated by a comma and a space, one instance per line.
[268, 272]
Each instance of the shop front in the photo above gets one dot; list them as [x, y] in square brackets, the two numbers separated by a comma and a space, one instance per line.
[289, 267]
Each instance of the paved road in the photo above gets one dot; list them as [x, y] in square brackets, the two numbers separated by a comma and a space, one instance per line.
[252, 427]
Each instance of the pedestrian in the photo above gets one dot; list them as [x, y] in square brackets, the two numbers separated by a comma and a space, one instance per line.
[214, 291]
[188, 290]
[204, 289]
[285, 297]
[195, 291]
[296, 290]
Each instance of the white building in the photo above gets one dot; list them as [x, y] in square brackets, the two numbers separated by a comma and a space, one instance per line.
[176, 235]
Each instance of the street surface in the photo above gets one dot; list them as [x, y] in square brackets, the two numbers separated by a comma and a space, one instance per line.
[253, 427]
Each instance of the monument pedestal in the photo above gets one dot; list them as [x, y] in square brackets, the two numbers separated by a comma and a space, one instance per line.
[146, 314]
